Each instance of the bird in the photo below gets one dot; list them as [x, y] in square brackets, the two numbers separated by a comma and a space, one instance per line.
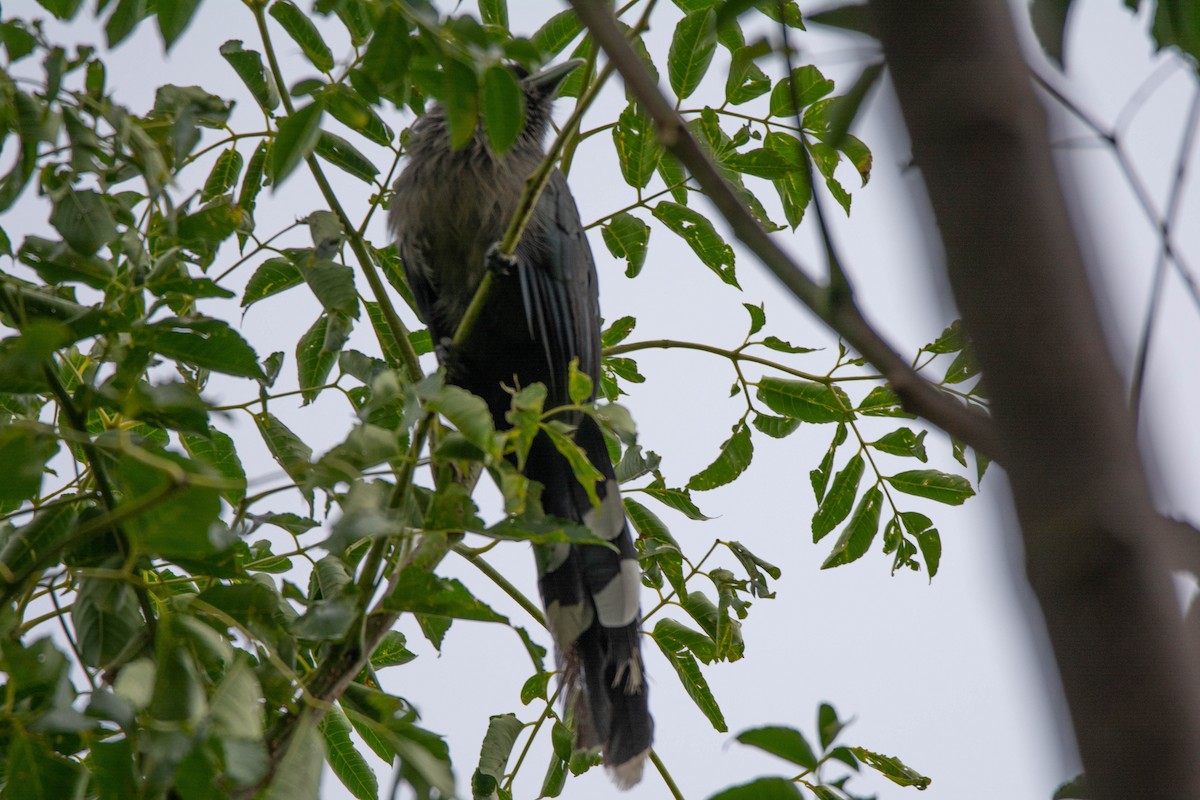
[449, 209]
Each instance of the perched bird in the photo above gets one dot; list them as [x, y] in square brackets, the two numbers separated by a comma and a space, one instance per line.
[451, 206]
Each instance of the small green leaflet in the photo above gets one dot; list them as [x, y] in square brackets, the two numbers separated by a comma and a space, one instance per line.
[859, 532]
[805, 400]
[692, 48]
[787, 743]
[933, 484]
[736, 453]
[701, 236]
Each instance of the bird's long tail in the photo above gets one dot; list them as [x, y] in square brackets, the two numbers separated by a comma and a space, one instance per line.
[591, 599]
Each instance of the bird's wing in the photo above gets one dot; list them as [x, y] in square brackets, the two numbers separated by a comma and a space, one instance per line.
[558, 288]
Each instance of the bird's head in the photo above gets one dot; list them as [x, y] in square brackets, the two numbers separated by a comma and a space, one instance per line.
[540, 89]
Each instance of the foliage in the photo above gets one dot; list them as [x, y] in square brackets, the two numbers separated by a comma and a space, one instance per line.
[212, 618]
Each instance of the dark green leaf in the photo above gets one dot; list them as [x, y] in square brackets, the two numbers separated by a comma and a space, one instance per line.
[556, 33]
[424, 593]
[882, 402]
[224, 174]
[503, 108]
[701, 236]
[24, 450]
[106, 618]
[297, 137]
[272, 277]
[1049, 18]
[692, 48]
[903, 442]
[84, 220]
[762, 789]
[248, 64]
[347, 763]
[675, 636]
[627, 237]
[828, 725]
[317, 352]
[173, 515]
[466, 412]
[333, 285]
[304, 33]
[460, 100]
[345, 156]
[638, 150]
[804, 400]
[761, 163]
[494, 12]
[218, 451]
[775, 427]
[288, 449]
[617, 332]
[962, 368]
[891, 768]
[502, 733]
[695, 685]
[173, 18]
[1074, 789]
[746, 80]
[348, 108]
[787, 743]
[837, 504]
[807, 86]
[933, 484]
[207, 343]
[780, 346]
[859, 532]
[819, 477]
[736, 453]
[35, 772]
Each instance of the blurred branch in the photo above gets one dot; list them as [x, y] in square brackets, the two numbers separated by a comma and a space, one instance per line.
[837, 309]
[1093, 541]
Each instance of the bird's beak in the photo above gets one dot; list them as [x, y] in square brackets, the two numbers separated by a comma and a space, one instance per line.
[548, 80]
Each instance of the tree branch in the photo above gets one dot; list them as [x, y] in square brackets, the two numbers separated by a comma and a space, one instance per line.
[838, 310]
[1092, 538]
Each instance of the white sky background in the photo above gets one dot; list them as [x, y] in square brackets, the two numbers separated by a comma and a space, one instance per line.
[943, 675]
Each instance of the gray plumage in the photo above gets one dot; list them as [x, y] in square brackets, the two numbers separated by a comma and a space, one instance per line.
[450, 207]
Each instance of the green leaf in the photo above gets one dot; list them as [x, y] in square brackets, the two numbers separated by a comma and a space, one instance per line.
[207, 343]
[502, 733]
[882, 402]
[787, 743]
[761, 789]
[837, 504]
[701, 236]
[333, 285]
[503, 107]
[83, 218]
[422, 592]
[695, 685]
[174, 16]
[617, 332]
[858, 534]
[106, 618]
[392, 651]
[746, 80]
[903, 442]
[584, 471]
[891, 768]
[758, 318]
[345, 156]
[347, 107]
[672, 174]
[218, 451]
[288, 449]
[272, 277]
[347, 763]
[460, 100]
[171, 516]
[535, 687]
[807, 86]
[248, 65]
[466, 412]
[1049, 18]
[35, 772]
[794, 188]
[936, 485]
[804, 400]
[299, 774]
[25, 448]
[1074, 789]
[224, 174]
[736, 453]
[297, 137]
[304, 33]
[692, 48]
[775, 427]
[627, 237]
[675, 636]
[494, 12]
[761, 163]
[317, 351]
[678, 499]
[637, 146]
[556, 33]
[928, 539]
[962, 368]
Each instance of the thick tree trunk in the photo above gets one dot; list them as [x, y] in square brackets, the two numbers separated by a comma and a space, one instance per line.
[1090, 532]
